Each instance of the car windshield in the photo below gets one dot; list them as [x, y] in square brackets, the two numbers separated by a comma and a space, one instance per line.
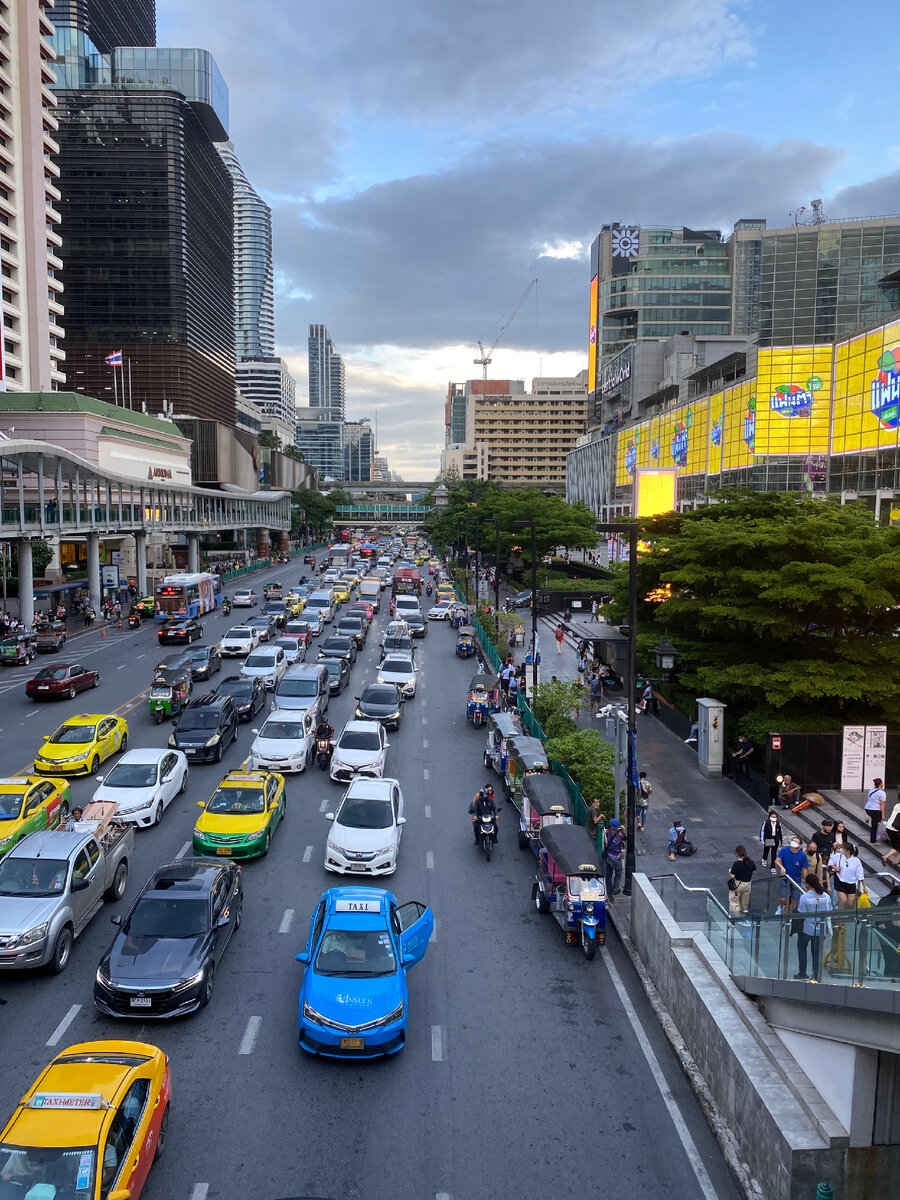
[73, 735]
[48, 1171]
[357, 952]
[237, 801]
[297, 687]
[52, 673]
[365, 812]
[260, 660]
[282, 729]
[359, 739]
[198, 654]
[335, 645]
[236, 687]
[10, 805]
[239, 633]
[379, 695]
[132, 775]
[398, 665]
[198, 718]
[32, 876]
[174, 917]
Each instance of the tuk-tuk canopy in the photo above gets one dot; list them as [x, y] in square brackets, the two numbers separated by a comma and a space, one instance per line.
[528, 753]
[505, 724]
[547, 794]
[172, 677]
[466, 631]
[487, 683]
[571, 849]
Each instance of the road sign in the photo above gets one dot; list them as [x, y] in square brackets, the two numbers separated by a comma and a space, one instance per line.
[110, 577]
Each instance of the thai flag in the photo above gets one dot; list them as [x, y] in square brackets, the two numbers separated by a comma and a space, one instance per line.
[114, 359]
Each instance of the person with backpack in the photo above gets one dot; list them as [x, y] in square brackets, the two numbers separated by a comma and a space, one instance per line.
[614, 856]
[645, 790]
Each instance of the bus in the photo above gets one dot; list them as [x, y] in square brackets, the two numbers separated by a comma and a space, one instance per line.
[188, 595]
[338, 556]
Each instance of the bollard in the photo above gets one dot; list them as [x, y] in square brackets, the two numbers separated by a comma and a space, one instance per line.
[120, 622]
[824, 1192]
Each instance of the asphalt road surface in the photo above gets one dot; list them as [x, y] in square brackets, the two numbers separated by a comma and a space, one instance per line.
[528, 1071]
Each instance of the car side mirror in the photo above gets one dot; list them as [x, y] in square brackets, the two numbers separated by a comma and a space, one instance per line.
[255, 731]
[80, 885]
[386, 744]
[329, 816]
[116, 920]
[201, 804]
[99, 778]
[223, 921]
[46, 737]
[407, 960]
[302, 957]
[401, 820]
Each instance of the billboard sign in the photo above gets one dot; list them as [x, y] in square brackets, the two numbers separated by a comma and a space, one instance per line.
[625, 246]
[867, 391]
[593, 335]
[617, 371]
[853, 758]
[655, 491]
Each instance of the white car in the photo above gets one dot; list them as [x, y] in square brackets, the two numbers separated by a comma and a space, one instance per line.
[285, 743]
[238, 642]
[400, 670]
[244, 598]
[332, 575]
[359, 750]
[144, 783]
[367, 827]
[266, 663]
[294, 648]
[441, 611]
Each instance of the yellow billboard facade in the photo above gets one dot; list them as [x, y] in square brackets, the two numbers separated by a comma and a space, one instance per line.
[739, 425]
[593, 336]
[867, 391]
[793, 400]
[632, 451]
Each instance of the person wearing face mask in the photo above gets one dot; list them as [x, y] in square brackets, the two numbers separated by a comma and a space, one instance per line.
[793, 865]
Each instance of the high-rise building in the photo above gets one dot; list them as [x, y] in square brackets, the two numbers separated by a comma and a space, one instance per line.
[359, 451]
[254, 301]
[31, 351]
[321, 443]
[106, 23]
[455, 414]
[326, 375]
[271, 387]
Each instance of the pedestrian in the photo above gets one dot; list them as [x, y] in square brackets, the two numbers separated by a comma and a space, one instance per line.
[595, 684]
[594, 819]
[595, 609]
[875, 802]
[87, 616]
[793, 865]
[512, 691]
[814, 900]
[694, 733]
[582, 669]
[613, 853]
[559, 634]
[892, 825]
[840, 836]
[825, 837]
[818, 863]
[739, 879]
[740, 758]
[789, 792]
[644, 792]
[847, 875]
[678, 842]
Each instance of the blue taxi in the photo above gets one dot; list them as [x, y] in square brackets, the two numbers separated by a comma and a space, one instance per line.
[353, 998]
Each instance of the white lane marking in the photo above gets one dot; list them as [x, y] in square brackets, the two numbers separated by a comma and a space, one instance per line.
[323, 805]
[424, 704]
[437, 1049]
[199, 1184]
[31, 714]
[424, 743]
[690, 1148]
[427, 810]
[64, 1024]
[426, 773]
[437, 1196]
[248, 1041]
[424, 720]
[429, 860]
[433, 937]
[201, 1190]
[286, 921]
[183, 851]
[122, 668]
[307, 853]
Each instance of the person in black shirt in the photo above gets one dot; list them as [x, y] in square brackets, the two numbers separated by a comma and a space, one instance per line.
[825, 838]
[741, 873]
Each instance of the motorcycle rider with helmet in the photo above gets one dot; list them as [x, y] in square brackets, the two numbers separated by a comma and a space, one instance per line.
[483, 805]
[325, 732]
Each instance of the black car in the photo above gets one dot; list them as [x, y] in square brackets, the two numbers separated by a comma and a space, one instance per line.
[204, 661]
[265, 623]
[397, 645]
[277, 610]
[175, 633]
[520, 600]
[353, 627]
[163, 959]
[416, 624]
[206, 727]
[380, 702]
[338, 674]
[249, 695]
[174, 662]
[339, 647]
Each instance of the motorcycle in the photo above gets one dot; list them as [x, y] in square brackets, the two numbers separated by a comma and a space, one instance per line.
[226, 607]
[324, 749]
[487, 833]
[134, 620]
[428, 589]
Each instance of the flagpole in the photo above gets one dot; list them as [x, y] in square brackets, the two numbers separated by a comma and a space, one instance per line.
[115, 388]
[130, 405]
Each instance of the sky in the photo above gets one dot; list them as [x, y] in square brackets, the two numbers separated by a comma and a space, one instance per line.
[425, 160]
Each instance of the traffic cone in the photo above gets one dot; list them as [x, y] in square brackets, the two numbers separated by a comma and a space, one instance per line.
[103, 631]
[120, 622]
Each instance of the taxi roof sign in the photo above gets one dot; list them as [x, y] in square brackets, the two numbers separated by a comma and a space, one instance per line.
[363, 906]
[235, 778]
[67, 1101]
[20, 782]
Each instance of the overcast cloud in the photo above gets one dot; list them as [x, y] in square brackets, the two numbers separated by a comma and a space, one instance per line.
[425, 160]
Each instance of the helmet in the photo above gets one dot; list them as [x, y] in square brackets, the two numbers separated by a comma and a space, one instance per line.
[615, 823]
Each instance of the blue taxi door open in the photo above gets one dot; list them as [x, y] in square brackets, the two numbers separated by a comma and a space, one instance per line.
[416, 924]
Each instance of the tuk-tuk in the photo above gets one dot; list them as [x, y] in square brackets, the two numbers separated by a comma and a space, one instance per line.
[501, 727]
[272, 591]
[169, 693]
[17, 649]
[484, 695]
[51, 636]
[181, 661]
[524, 756]
[465, 641]
[569, 883]
[545, 801]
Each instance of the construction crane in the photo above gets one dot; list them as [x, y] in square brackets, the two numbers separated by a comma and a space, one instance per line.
[485, 360]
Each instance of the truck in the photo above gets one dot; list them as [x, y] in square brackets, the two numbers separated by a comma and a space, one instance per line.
[52, 885]
[407, 582]
[370, 590]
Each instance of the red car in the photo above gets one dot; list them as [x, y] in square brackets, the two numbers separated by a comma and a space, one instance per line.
[361, 606]
[62, 679]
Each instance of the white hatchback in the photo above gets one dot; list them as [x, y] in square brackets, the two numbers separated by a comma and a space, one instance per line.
[366, 829]
[286, 742]
[266, 663]
[144, 783]
[238, 642]
[359, 750]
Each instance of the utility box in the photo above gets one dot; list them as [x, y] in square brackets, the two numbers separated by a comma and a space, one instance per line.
[711, 736]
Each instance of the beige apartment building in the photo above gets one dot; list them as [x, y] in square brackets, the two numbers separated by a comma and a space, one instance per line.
[520, 438]
[31, 347]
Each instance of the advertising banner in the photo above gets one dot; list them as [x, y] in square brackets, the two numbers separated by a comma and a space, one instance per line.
[739, 433]
[876, 753]
[853, 758]
[632, 451]
[867, 391]
[793, 400]
[679, 439]
[716, 433]
[655, 491]
[593, 334]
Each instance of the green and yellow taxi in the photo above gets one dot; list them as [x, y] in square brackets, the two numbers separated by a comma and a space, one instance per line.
[29, 804]
[146, 606]
[241, 816]
[81, 744]
[341, 591]
[445, 592]
[91, 1125]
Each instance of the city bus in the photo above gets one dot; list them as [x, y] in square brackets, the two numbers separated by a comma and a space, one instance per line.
[338, 556]
[188, 595]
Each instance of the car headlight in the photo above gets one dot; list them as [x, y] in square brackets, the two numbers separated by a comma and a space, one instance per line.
[5, 841]
[381, 679]
[172, 739]
[395, 1015]
[212, 741]
[311, 1015]
[588, 908]
[32, 935]
[385, 849]
[257, 836]
[335, 846]
[198, 832]
[186, 984]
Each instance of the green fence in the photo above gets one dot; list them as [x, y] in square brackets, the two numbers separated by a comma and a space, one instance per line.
[530, 723]
[490, 654]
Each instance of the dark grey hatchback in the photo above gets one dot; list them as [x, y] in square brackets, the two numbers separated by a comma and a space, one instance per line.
[380, 702]
[206, 727]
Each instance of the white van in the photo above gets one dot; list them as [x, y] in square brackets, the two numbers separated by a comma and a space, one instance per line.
[323, 603]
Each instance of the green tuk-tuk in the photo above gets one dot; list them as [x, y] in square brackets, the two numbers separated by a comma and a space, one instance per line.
[17, 649]
[169, 693]
[524, 756]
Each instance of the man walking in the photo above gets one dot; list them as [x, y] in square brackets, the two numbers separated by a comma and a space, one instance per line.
[595, 608]
[643, 800]
[875, 802]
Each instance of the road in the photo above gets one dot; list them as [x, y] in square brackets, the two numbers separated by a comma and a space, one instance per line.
[528, 1071]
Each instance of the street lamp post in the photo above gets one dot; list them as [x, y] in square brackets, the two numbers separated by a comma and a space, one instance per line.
[534, 597]
[465, 540]
[475, 568]
[495, 521]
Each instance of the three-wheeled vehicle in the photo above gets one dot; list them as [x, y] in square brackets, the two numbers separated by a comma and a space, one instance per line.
[465, 641]
[51, 636]
[16, 649]
[272, 591]
[501, 727]
[524, 756]
[545, 801]
[569, 883]
[169, 692]
[484, 697]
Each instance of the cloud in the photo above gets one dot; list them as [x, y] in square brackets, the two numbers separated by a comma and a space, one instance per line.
[878, 197]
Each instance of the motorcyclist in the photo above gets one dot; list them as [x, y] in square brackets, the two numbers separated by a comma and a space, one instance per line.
[483, 805]
[226, 606]
[325, 732]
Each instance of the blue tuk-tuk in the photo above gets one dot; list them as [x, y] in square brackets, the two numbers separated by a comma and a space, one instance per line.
[501, 727]
[569, 883]
[545, 801]
[484, 696]
[465, 641]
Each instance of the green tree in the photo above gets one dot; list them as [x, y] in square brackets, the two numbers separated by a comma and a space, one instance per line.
[555, 701]
[317, 510]
[269, 440]
[590, 761]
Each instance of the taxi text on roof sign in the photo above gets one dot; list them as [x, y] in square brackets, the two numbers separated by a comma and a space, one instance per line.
[364, 906]
[67, 1100]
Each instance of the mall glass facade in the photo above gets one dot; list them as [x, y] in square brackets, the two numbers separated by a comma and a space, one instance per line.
[108, 22]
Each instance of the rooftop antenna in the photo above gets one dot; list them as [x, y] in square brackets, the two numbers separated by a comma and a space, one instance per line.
[818, 217]
[798, 214]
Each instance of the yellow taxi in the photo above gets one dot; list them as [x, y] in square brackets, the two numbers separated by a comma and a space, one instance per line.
[92, 1124]
[341, 591]
[81, 744]
[445, 592]
[294, 604]
[241, 816]
[29, 804]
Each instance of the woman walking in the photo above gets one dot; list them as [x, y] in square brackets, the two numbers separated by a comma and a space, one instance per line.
[813, 900]
[892, 825]
[847, 874]
[741, 875]
[771, 837]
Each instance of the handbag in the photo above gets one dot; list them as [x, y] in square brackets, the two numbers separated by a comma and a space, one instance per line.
[882, 834]
[732, 884]
[863, 900]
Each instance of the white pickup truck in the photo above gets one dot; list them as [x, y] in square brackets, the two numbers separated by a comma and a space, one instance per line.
[52, 884]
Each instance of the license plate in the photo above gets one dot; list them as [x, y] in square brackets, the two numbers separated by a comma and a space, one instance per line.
[353, 1043]
[357, 867]
[139, 1001]
[43, 687]
[223, 849]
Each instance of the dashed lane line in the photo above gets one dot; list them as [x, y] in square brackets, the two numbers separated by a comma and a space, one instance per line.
[307, 853]
[424, 743]
[424, 720]
[426, 773]
[286, 921]
[428, 811]
[323, 805]
[437, 1044]
[201, 1190]
[248, 1041]
[57, 1034]
[183, 851]
[429, 860]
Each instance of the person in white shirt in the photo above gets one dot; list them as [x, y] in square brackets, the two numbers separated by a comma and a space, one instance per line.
[875, 802]
[847, 874]
[893, 831]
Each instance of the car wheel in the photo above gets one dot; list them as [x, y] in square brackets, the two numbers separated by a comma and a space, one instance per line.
[61, 950]
[124, 743]
[267, 843]
[238, 913]
[96, 680]
[116, 889]
[95, 765]
[219, 752]
[157, 815]
[161, 1137]
[206, 995]
[63, 812]
[72, 692]
[184, 780]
